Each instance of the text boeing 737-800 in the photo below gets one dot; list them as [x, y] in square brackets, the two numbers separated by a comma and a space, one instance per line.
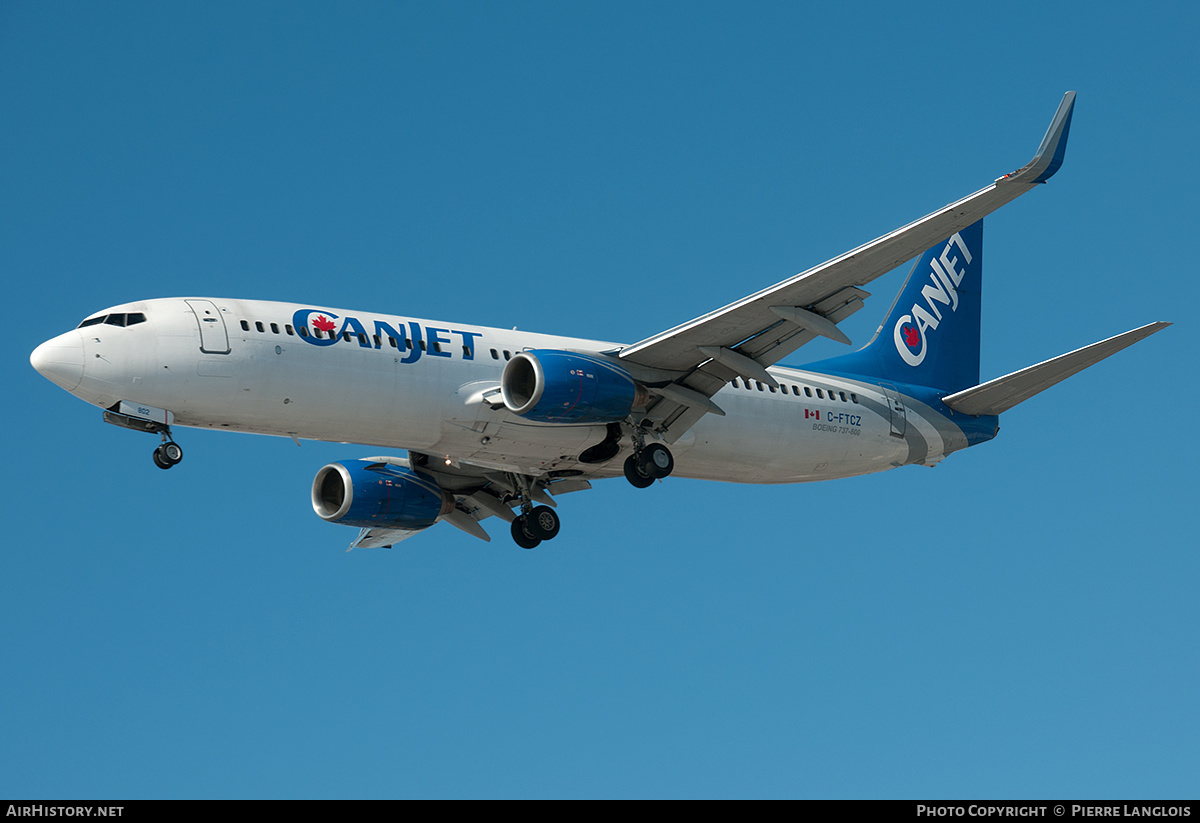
[499, 422]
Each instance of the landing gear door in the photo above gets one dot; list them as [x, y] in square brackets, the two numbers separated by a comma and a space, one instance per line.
[895, 409]
[214, 339]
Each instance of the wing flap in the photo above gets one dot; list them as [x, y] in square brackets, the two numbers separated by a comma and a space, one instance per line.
[381, 538]
[780, 340]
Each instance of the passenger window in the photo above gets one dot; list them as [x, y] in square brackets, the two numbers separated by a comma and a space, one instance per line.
[807, 391]
[245, 326]
[495, 354]
[275, 328]
[820, 394]
[288, 328]
[258, 325]
[304, 331]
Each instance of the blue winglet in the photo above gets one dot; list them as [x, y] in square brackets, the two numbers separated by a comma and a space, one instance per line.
[1053, 149]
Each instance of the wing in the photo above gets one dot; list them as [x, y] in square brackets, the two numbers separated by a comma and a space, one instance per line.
[746, 336]
[478, 493]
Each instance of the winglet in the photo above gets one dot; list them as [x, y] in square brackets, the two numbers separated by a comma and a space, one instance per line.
[1053, 149]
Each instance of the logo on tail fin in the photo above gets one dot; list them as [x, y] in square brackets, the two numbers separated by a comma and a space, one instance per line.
[910, 343]
[911, 331]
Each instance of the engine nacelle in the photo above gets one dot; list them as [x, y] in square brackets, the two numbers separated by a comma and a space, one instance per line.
[371, 494]
[552, 386]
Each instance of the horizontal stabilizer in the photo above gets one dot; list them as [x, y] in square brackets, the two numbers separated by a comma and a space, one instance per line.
[1000, 395]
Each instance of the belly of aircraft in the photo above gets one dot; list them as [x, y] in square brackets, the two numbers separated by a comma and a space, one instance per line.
[790, 451]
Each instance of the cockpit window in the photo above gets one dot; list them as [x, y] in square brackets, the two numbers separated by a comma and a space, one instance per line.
[121, 319]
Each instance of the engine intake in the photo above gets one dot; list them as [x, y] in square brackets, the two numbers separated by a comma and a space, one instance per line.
[551, 386]
[370, 494]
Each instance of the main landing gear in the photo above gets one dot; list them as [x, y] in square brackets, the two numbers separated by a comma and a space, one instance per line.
[648, 463]
[169, 453]
[540, 523]
[535, 523]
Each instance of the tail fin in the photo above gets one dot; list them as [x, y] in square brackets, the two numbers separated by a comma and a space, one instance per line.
[931, 335]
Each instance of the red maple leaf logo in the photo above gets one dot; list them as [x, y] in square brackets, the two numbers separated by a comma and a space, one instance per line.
[323, 323]
[912, 338]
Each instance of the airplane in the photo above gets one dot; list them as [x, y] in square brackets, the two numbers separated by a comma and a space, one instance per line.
[498, 422]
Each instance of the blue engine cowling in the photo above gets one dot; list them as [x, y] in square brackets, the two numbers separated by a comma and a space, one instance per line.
[552, 386]
[371, 494]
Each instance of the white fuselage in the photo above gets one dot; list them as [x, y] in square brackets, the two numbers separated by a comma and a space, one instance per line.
[259, 367]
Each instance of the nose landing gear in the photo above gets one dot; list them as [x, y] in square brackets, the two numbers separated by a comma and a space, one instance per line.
[147, 419]
[168, 454]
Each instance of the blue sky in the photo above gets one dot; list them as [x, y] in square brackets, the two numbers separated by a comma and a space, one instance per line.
[1020, 621]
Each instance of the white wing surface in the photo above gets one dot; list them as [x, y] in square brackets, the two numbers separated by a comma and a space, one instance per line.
[744, 337]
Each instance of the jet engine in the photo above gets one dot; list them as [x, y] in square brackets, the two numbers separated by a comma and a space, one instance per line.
[551, 386]
[373, 494]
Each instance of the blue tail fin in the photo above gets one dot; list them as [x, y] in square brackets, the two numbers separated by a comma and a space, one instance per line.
[931, 335]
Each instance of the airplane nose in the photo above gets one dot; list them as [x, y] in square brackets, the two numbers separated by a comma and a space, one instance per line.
[60, 360]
